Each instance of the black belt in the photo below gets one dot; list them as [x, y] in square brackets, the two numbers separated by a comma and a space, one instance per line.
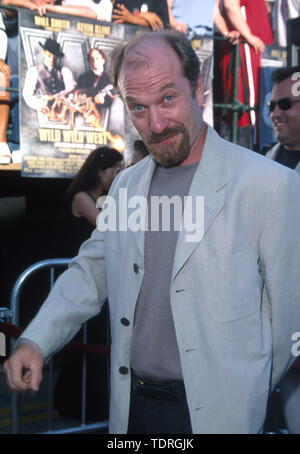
[171, 390]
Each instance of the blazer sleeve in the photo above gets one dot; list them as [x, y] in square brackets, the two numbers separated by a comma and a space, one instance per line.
[280, 261]
[77, 295]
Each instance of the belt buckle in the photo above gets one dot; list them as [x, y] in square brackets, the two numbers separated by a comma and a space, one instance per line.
[137, 384]
[156, 391]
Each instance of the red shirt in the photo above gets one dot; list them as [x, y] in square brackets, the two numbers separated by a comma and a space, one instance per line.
[257, 18]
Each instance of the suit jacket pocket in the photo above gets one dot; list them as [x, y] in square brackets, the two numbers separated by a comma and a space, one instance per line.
[232, 286]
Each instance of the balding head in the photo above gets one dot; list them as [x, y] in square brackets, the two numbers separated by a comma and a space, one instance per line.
[168, 40]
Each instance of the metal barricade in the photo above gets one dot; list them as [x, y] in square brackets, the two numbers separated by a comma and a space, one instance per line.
[235, 106]
[52, 265]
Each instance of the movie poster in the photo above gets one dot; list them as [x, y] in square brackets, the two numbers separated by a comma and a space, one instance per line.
[68, 106]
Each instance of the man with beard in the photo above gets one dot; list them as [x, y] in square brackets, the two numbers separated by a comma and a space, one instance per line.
[202, 315]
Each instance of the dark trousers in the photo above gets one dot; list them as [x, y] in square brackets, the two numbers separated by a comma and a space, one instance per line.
[158, 416]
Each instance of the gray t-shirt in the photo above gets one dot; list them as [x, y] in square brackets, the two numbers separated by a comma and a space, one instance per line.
[154, 352]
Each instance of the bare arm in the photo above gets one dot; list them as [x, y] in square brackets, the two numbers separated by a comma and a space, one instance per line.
[153, 20]
[221, 25]
[83, 11]
[234, 14]
[219, 20]
[4, 80]
[122, 15]
[3, 40]
[84, 206]
[181, 26]
[18, 3]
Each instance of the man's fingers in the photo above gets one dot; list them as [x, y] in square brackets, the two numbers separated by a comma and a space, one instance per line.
[24, 368]
[36, 376]
[14, 375]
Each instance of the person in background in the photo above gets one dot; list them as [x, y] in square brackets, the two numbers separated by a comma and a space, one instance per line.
[284, 108]
[10, 112]
[5, 154]
[283, 11]
[198, 15]
[93, 181]
[85, 8]
[247, 19]
[197, 19]
[153, 14]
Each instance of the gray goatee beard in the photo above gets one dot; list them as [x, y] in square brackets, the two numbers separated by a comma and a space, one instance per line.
[166, 156]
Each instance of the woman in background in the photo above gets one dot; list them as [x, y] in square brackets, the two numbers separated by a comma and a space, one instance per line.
[93, 181]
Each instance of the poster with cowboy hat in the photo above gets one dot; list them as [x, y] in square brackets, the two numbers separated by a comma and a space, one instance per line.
[68, 106]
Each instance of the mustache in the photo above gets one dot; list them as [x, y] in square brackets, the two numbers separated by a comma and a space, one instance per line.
[156, 138]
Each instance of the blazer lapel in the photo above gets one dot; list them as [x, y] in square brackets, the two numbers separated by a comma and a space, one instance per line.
[142, 190]
[210, 181]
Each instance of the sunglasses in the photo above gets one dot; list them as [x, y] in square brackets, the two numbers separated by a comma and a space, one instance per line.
[283, 104]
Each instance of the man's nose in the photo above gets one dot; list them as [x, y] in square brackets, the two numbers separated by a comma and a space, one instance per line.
[276, 112]
[158, 121]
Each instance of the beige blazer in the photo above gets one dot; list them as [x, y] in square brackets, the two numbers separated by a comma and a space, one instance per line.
[235, 294]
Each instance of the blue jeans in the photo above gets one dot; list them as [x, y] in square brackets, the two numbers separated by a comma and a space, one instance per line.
[14, 136]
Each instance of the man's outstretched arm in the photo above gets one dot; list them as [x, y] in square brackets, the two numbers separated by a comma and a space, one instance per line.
[78, 295]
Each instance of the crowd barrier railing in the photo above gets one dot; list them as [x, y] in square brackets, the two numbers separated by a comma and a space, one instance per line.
[13, 331]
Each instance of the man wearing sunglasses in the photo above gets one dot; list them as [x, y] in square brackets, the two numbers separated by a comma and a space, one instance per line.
[284, 109]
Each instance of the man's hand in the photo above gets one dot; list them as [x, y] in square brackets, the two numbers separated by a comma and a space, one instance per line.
[41, 9]
[233, 36]
[122, 15]
[181, 27]
[24, 367]
[154, 21]
[257, 44]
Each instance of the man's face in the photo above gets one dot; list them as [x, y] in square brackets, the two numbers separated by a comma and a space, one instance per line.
[48, 58]
[159, 101]
[286, 123]
[97, 62]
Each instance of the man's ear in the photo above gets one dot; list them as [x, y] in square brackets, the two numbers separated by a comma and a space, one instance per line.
[200, 91]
